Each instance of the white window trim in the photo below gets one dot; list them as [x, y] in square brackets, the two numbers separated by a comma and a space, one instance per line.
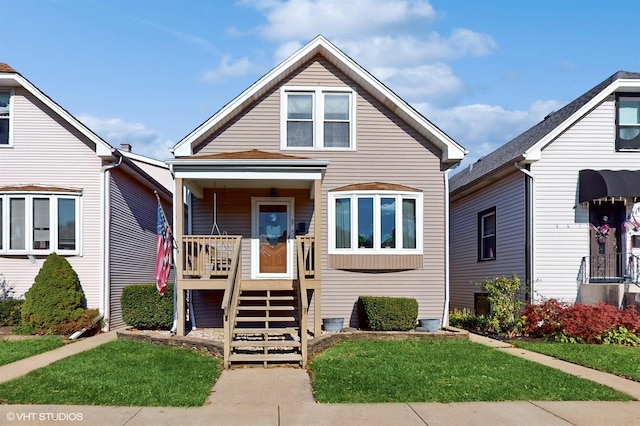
[376, 195]
[317, 116]
[11, 118]
[53, 220]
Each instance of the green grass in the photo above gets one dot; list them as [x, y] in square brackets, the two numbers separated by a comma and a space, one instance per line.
[620, 360]
[440, 370]
[120, 372]
[15, 350]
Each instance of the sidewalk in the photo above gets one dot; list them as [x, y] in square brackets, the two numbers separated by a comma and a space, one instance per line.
[283, 396]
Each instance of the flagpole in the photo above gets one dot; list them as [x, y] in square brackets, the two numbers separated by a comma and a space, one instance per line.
[174, 328]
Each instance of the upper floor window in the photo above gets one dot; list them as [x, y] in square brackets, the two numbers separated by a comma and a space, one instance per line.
[375, 222]
[628, 122]
[38, 223]
[5, 119]
[317, 118]
[487, 234]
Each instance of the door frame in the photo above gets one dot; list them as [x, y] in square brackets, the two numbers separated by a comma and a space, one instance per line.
[256, 202]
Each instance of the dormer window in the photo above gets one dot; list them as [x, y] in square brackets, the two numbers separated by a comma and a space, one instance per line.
[317, 118]
[628, 122]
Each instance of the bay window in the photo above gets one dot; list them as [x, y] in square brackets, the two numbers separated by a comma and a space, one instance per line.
[375, 222]
[36, 223]
[317, 118]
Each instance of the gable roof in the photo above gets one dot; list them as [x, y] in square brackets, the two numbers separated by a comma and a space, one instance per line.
[527, 146]
[11, 78]
[452, 152]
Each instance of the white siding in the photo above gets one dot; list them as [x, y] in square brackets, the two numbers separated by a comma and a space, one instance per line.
[561, 224]
[508, 197]
[48, 151]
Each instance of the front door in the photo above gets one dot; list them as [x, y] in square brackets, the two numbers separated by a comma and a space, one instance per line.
[606, 233]
[272, 242]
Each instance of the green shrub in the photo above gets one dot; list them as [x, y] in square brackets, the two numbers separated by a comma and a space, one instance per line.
[10, 312]
[144, 308]
[387, 313]
[504, 297]
[468, 320]
[55, 298]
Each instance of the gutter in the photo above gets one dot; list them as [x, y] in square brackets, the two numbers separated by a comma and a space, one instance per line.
[529, 264]
[445, 314]
[105, 223]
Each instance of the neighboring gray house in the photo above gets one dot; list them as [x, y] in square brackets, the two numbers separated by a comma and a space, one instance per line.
[63, 189]
[316, 180]
[557, 205]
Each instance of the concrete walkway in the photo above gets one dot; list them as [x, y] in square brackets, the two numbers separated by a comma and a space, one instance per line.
[283, 396]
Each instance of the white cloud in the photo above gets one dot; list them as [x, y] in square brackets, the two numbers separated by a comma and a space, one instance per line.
[143, 140]
[434, 82]
[405, 50]
[482, 128]
[304, 19]
[228, 68]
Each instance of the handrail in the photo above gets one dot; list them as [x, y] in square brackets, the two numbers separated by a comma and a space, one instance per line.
[305, 245]
[610, 267]
[230, 298]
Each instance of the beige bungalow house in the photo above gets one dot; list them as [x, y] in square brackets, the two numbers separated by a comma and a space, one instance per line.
[316, 185]
[64, 189]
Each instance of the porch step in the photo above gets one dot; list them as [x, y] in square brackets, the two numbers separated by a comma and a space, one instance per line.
[264, 307]
[262, 298]
[260, 357]
[284, 330]
[253, 340]
[265, 319]
[273, 344]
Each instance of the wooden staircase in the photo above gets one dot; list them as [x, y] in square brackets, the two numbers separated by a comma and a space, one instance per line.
[266, 328]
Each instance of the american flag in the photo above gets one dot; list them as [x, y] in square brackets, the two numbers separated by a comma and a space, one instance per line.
[164, 252]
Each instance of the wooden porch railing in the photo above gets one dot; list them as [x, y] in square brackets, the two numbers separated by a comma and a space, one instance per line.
[305, 247]
[208, 256]
[230, 299]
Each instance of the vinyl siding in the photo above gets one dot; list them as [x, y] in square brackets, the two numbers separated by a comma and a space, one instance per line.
[561, 224]
[48, 151]
[388, 151]
[508, 198]
[132, 238]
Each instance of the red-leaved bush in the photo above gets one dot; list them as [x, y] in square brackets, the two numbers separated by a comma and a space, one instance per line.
[587, 323]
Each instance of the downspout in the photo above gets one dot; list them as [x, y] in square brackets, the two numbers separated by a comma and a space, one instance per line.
[445, 314]
[529, 263]
[105, 218]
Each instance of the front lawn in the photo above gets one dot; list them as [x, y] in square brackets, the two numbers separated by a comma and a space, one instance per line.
[120, 372]
[620, 360]
[15, 350]
[440, 370]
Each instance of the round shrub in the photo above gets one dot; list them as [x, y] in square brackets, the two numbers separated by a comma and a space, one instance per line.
[144, 308]
[54, 299]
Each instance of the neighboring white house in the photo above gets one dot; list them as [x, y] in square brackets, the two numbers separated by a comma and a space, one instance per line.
[557, 205]
[63, 189]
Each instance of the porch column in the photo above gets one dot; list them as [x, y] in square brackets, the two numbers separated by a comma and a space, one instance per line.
[178, 231]
[317, 235]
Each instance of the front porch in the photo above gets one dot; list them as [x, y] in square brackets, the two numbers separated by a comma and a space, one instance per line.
[249, 239]
[264, 320]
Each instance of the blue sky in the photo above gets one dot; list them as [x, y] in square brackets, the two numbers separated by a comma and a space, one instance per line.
[147, 72]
